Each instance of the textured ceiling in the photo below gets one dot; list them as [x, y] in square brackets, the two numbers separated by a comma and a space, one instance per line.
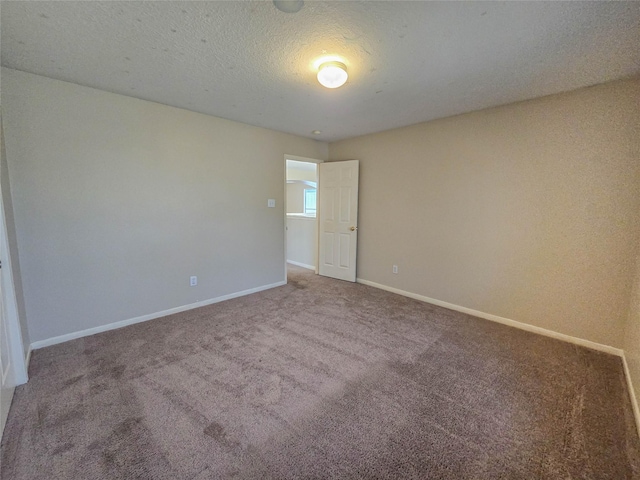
[408, 62]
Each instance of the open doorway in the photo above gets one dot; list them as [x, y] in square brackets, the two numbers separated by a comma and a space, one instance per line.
[301, 223]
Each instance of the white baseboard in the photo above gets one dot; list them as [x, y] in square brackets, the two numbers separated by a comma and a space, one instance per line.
[495, 318]
[632, 393]
[123, 323]
[303, 265]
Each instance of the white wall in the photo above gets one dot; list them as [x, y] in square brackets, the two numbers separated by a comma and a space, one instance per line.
[528, 211]
[118, 201]
[295, 197]
[302, 240]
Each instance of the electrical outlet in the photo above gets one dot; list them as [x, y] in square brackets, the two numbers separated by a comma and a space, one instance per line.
[271, 202]
[395, 269]
[193, 281]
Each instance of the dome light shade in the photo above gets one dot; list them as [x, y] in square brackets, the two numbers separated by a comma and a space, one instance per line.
[332, 74]
[289, 6]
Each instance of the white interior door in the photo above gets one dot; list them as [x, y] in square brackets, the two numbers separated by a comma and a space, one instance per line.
[338, 190]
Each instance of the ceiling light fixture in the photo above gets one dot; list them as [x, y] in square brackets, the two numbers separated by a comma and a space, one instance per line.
[332, 74]
[316, 132]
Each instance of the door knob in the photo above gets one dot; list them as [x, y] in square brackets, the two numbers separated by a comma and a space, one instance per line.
[353, 229]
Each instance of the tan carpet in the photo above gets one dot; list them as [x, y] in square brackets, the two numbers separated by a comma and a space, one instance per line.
[321, 379]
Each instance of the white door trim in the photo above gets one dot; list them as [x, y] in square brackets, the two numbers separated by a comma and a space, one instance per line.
[18, 358]
[16, 371]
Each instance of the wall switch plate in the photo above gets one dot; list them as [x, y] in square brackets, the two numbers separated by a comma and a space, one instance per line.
[395, 269]
[271, 203]
[193, 281]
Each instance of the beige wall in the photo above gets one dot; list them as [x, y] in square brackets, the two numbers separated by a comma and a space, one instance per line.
[295, 197]
[294, 173]
[295, 191]
[118, 201]
[632, 334]
[527, 211]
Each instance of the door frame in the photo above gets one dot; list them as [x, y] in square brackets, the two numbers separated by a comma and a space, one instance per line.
[17, 372]
[317, 161]
[10, 305]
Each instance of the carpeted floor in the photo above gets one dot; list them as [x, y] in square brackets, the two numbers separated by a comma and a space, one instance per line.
[321, 379]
